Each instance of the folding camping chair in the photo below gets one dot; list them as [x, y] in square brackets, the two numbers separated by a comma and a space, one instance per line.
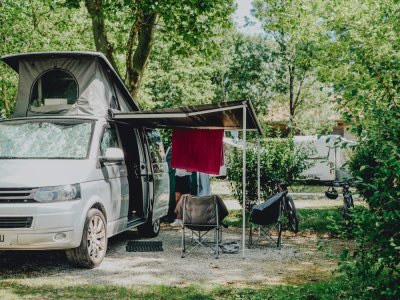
[202, 216]
[266, 217]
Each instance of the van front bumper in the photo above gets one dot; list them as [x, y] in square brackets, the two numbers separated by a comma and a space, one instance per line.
[37, 241]
[48, 226]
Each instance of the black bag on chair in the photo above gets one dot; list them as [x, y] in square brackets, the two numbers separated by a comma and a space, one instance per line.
[267, 213]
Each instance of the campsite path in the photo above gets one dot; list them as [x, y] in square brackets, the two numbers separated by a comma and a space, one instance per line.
[299, 260]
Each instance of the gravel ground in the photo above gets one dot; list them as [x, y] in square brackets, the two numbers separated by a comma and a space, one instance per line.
[297, 261]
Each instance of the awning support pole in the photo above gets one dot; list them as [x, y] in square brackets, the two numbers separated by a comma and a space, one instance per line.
[244, 176]
[258, 171]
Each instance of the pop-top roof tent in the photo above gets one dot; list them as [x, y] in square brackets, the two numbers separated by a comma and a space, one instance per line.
[67, 83]
[85, 83]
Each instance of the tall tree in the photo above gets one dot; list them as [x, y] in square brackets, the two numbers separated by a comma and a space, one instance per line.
[247, 70]
[295, 29]
[173, 80]
[130, 28]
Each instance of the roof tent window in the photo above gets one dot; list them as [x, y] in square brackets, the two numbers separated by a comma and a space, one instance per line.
[54, 87]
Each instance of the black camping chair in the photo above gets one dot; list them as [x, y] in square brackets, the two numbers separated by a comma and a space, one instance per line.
[202, 216]
[266, 217]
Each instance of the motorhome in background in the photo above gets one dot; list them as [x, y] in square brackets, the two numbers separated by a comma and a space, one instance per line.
[328, 156]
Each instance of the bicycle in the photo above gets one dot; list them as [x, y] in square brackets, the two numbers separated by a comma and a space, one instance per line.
[288, 208]
[348, 202]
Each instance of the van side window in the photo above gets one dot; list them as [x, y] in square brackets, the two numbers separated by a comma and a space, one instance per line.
[156, 146]
[109, 140]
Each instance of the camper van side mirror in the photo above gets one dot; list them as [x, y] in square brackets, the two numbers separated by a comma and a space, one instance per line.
[112, 155]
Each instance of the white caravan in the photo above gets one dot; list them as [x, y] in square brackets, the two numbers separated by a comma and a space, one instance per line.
[71, 176]
[328, 156]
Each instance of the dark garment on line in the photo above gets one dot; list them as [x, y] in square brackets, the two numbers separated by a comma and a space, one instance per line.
[182, 184]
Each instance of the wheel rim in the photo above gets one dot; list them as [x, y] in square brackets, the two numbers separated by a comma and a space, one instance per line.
[156, 226]
[96, 238]
[292, 217]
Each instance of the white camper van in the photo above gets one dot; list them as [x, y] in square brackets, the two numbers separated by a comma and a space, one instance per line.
[328, 156]
[71, 176]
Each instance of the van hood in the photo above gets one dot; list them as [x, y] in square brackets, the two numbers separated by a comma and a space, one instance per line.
[31, 173]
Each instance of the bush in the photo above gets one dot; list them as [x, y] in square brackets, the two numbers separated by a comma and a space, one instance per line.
[280, 159]
[376, 162]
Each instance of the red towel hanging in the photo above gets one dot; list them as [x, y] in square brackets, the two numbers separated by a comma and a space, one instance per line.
[198, 150]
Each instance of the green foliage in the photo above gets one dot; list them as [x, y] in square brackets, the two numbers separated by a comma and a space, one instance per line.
[337, 288]
[376, 161]
[173, 80]
[322, 221]
[247, 70]
[363, 63]
[280, 159]
[294, 29]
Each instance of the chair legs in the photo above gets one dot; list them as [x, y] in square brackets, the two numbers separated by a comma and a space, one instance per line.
[265, 233]
[199, 239]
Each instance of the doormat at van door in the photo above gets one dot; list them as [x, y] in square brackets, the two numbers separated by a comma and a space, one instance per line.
[144, 246]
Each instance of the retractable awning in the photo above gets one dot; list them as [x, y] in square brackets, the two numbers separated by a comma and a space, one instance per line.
[237, 115]
[225, 115]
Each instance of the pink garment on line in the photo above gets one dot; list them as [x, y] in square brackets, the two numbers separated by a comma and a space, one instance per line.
[197, 150]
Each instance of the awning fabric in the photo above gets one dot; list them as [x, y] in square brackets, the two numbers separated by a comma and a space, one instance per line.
[225, 115]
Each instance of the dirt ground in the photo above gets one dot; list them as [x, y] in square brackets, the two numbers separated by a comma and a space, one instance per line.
[298, 261]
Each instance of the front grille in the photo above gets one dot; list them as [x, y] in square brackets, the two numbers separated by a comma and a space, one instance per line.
[17, 195]
[15, 222]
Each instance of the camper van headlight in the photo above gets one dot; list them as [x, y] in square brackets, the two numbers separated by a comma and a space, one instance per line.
[58, 193]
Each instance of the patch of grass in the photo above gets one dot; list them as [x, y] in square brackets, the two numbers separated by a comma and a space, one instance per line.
[322, 221]
[235, 217]
[303, 188]
[336, 288]
[319, 221]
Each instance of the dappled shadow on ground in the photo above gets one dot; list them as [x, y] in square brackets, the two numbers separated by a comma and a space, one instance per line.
[263, 264]
[28, 264]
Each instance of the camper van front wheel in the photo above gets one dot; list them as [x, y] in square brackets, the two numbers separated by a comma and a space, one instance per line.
[93, 247]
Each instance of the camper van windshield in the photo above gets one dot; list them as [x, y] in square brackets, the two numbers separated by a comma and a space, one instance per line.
[39, 139]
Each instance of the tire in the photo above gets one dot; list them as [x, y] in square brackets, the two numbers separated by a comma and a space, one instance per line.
[347, 205]
[292, 216]
[351, 201]
[150, 229]
[93, 247]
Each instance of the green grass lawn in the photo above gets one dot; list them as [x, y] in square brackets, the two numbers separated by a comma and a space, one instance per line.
[334, 289]
[319, 221]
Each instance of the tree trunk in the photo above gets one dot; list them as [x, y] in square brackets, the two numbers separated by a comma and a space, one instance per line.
[136, 63]
[291, 98]
[137, 53]
[94, 8]
[6, 105]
